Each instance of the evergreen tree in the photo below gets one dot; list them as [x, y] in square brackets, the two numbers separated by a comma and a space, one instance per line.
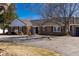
[8, 16]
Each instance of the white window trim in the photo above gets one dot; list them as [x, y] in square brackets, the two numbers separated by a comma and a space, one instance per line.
[56, 29]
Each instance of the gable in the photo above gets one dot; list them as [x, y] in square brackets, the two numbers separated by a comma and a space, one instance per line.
[17, 22]
[28, 22]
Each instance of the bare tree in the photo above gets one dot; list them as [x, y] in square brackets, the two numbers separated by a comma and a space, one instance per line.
[63, 11]
[47, 10]
[44, 10]
[66, 11]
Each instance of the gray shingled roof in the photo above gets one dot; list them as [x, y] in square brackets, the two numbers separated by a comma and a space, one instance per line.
[27, 22]
[46, 22]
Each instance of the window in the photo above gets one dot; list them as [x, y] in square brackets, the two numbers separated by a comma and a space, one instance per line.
[56, 29]
[20, 29]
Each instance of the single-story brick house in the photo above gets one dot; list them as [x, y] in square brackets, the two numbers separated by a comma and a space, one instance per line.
[56, 27]
[20, 26]
[44, 27]
[48, 27]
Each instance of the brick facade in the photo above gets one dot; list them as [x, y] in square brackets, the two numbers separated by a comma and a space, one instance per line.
[49, 31]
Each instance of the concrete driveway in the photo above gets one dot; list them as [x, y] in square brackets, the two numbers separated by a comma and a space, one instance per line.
[66, 45]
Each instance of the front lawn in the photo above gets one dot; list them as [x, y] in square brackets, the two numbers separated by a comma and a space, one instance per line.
[12, 49]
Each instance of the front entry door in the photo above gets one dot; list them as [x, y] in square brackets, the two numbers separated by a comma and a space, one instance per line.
[35, 30]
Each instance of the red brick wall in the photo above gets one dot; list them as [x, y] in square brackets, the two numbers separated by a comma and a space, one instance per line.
[49, 31]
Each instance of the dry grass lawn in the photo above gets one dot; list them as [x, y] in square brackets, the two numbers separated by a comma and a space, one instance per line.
[12, 49]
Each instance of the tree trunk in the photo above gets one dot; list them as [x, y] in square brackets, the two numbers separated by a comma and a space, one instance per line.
[3, 29]
[67, 28]
[3, 26]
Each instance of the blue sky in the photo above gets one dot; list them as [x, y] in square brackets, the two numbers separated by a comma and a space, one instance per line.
[24, 13]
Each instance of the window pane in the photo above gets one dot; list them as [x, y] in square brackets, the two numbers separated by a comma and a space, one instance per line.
[20, 29]
[59, 29]
[54, 29]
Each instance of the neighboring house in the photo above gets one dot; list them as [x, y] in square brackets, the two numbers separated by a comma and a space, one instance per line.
[74, 26]
[20, 26]
[48, 27]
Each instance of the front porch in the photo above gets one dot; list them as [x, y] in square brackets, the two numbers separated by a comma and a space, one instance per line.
[20, 30]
